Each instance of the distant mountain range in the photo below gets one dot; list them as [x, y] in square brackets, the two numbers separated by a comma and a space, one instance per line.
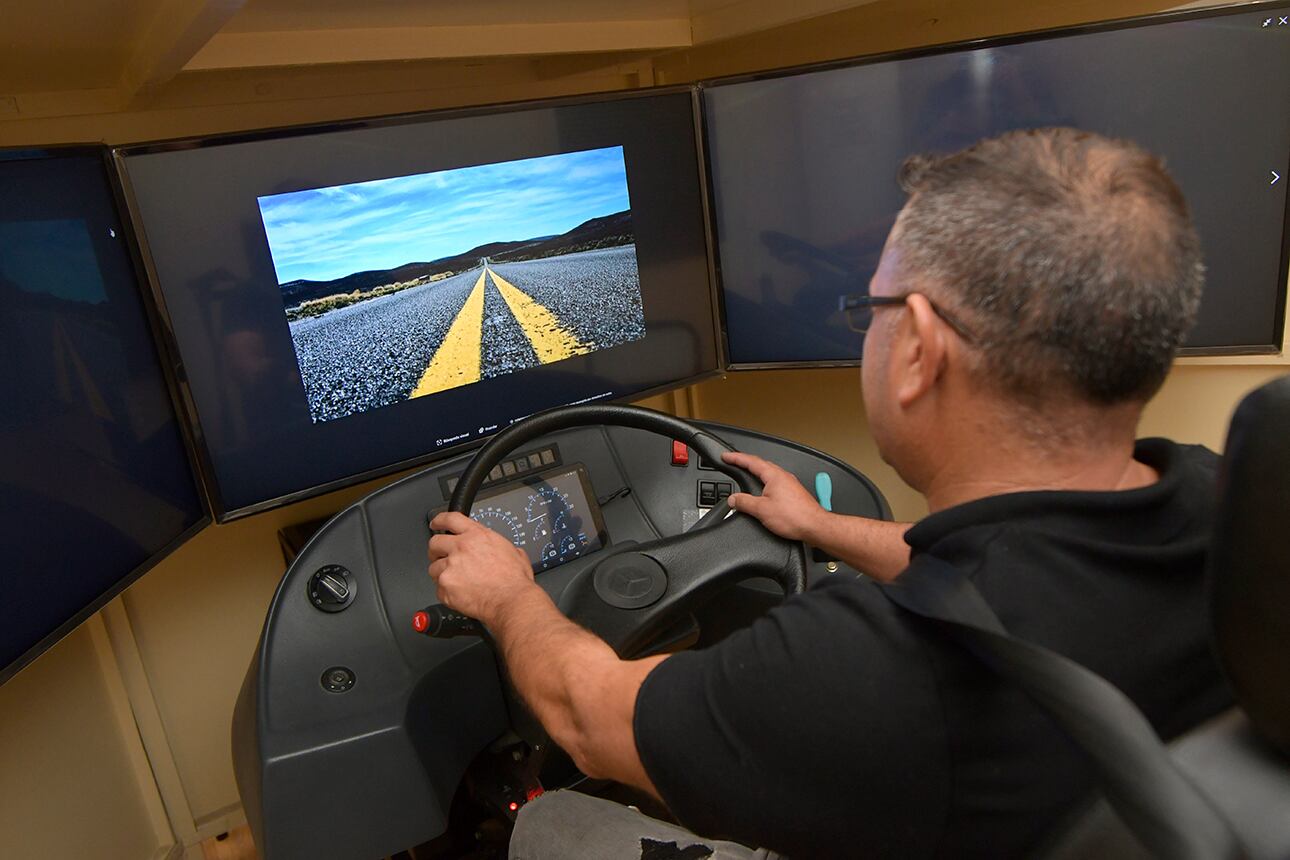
[607, 231]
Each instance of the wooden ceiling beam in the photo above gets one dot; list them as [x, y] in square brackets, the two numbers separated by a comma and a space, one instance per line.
[177, 31]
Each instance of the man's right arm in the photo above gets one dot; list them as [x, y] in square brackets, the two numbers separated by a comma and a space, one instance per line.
[874, 547]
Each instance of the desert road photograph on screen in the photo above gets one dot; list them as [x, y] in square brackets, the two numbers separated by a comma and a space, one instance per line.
[405, 287]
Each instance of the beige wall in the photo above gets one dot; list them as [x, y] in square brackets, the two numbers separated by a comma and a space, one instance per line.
[74, 781]
[183, 634]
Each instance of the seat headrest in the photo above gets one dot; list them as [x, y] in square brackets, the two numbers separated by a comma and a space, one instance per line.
[1249, 563]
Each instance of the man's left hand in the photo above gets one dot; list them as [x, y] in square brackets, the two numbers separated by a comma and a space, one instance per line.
[478, 572]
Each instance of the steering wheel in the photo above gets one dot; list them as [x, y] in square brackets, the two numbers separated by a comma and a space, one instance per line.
[634, 592]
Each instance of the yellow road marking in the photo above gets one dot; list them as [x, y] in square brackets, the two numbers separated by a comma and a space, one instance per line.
[456, 362]
[551, 341]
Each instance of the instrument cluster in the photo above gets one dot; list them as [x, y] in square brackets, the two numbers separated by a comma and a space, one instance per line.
[554, 518]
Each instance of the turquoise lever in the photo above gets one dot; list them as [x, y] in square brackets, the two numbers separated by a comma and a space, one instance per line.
[824, 490]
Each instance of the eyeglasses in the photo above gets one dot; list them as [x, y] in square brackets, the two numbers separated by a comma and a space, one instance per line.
[859, 309]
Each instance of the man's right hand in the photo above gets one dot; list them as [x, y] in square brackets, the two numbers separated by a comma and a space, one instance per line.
[785, 506]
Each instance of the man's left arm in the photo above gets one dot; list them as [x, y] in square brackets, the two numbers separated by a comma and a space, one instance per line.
[577, 687]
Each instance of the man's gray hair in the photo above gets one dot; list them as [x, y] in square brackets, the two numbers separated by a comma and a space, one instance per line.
[1070, 256]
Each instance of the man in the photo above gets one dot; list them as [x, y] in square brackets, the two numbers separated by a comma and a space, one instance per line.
[1027, 305]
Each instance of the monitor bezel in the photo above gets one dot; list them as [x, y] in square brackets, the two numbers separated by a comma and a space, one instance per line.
[165, 362]
[1134, 22]
[223, 514]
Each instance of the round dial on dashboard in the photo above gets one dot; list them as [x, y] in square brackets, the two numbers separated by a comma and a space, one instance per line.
[501, 521]
[565, 546]
[546, 513]
[332, 588]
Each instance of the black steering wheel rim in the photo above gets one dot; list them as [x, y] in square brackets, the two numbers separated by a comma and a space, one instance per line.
[742, 535]
[706, 444]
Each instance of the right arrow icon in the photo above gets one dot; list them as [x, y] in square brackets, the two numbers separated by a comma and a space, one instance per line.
[1275, 177]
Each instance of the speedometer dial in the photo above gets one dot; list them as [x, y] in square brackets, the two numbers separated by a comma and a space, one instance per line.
[501, 521]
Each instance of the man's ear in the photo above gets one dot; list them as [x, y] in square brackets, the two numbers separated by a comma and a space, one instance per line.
[920, 350]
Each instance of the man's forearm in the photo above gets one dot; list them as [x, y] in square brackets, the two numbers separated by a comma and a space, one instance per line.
[873, 547]
[544, 651]
[575, 684]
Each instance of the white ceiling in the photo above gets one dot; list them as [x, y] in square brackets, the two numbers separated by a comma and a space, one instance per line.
[132, 48]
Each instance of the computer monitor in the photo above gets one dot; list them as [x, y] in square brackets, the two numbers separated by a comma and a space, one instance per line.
[96, 484]
[803, 163]
[350, 299]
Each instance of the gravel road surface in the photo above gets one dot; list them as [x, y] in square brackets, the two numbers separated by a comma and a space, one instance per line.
[595, 294]
[372, 354]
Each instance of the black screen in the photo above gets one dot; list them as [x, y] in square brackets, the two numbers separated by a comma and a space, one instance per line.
[95, 479]
[804, 165]
[348, 299]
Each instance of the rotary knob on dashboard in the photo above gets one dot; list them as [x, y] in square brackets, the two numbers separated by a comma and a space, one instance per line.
[332, 588]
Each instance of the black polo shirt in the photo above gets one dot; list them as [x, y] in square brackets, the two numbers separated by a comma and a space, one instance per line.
[839, 725]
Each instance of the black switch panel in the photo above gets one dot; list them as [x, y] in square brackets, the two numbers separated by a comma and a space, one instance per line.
[522, 464]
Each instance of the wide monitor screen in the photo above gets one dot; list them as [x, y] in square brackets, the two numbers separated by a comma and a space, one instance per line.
[348, 300]
[95, 480]
[803, 165]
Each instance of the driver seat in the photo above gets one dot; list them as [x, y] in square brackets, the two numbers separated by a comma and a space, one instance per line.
[1240, 759]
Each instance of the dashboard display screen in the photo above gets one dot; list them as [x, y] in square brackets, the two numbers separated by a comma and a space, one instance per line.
[553, 516]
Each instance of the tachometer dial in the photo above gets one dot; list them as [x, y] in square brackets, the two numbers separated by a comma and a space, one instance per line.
[546, 512]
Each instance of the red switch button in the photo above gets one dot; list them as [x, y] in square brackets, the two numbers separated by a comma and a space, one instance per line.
[420, 621]
[680, 454]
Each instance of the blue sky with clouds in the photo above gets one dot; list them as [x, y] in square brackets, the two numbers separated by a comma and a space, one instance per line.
[326, 233]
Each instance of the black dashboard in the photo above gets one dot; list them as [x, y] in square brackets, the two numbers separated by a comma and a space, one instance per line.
[352, 730]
